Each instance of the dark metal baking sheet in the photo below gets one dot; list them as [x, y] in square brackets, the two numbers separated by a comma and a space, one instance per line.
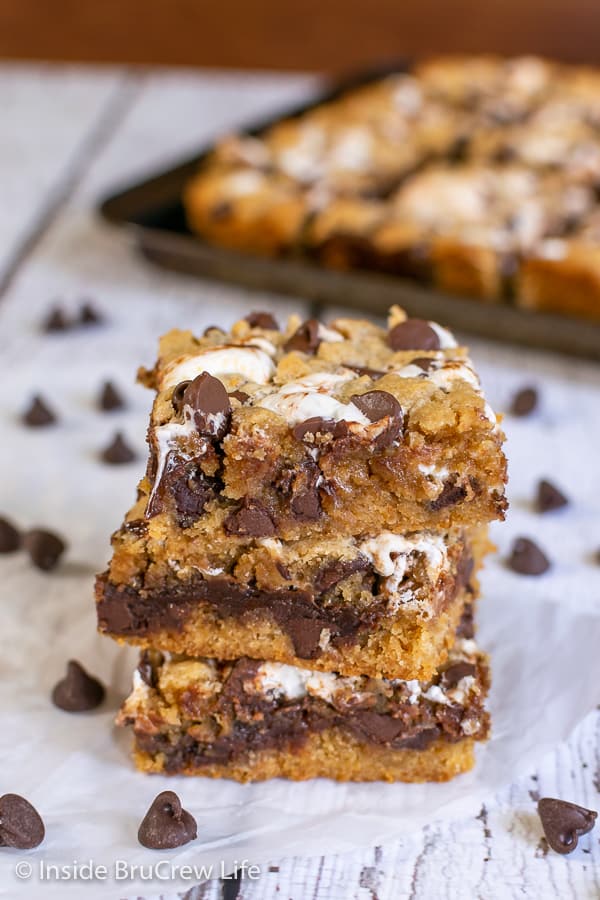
[153, 212]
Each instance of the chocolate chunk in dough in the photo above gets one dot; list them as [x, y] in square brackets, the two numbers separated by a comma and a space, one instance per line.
[251, 519]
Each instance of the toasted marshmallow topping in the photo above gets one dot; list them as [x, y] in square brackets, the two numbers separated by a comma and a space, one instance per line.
[250, 361]
[312, 396]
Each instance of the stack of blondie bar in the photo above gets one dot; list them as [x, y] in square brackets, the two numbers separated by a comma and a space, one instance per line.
[300, 567]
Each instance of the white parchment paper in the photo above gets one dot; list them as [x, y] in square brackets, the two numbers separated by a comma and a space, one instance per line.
[543, 634]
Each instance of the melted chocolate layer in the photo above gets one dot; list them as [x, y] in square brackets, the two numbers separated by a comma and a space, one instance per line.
[302, 614]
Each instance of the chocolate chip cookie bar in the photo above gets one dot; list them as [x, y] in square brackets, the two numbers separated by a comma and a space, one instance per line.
[250, 720]
[385, 605]
[459, 174]
[315, 430]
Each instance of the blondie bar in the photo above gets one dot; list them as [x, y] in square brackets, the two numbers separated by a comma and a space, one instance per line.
[250, 720]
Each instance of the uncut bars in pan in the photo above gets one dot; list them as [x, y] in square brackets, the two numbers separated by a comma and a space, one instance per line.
[303, 552]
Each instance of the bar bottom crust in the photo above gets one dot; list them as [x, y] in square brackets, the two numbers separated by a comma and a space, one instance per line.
[337, 755]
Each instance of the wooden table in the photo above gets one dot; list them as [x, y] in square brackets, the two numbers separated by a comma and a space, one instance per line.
[68, 136]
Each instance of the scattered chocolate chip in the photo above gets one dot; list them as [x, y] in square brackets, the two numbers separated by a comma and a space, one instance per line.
[177, 395]
[317, 425]
[376, 405]
[453, 674]
[44, 548]
[564, 823]
[10, 539]
[77, 691]
[209, 402]
[21, 825]
[118, 451]
[56, 320]
[305, 338]
[89, 315]
[526, 558]
[110, 398]
[262, 320]
[250, 519]
[39, 414]
[413, 334]
[524, 401]
[549, 497]
[242, 396]
[166, 825]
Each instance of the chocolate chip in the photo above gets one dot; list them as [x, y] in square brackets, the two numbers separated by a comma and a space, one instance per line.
[89, 315]
[524, 401]
[452, 493]
[21, 825]
[166, 825]
[305, 338]
[466, 625]
[564, 823]
[262, 320]
[453, 674]
[426, 363]
[251, 519]
[44, 548]
[10, 539]
[118, 451]
[56, 320]
[318, 425]
[376, 405]
[209, 401]
[306, 505]
[148, 671]
[177, 395]
[337, 570]
[413, 334]
[77, 691]
[242, 396]
[549, 497]
[190, 489]
[39, 414]
[526, 558]
[110, 398]
[305, 635]
[375, 374]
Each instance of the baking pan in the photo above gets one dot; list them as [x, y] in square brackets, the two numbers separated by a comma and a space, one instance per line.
[152, 211]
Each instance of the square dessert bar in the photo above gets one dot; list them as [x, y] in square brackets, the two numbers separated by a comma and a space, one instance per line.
[250, 720]
[340, 430]
[386, 605]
